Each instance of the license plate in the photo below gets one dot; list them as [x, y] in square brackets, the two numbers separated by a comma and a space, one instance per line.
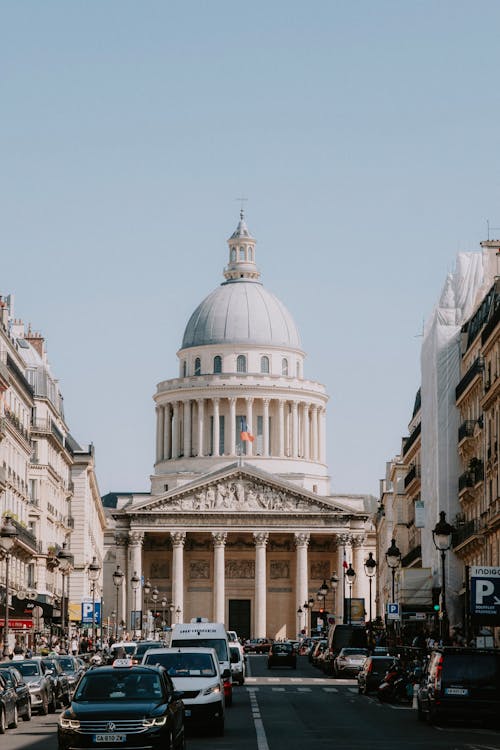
[456, 691]
[110, 737]
[187, 712]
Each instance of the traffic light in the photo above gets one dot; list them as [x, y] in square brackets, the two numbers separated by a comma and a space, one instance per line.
[436, 608]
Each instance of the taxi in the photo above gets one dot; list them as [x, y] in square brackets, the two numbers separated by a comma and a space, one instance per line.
[123, 705]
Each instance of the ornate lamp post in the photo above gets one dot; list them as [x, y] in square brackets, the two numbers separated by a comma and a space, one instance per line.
[321, 595]
[393, 557]
[146, 590]
[65, 560]
[117, 580]
[154, 596]
[334, 582]
[441, 536]
[93, 572]
[308, 607]
[135, 582]
[8, 534]
[300, 612]
[177, 614]
[351, 577]
[164, 603]
[370, 568]
[171, 609]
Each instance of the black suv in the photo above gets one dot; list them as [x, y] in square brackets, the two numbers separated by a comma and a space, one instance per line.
[460, 682]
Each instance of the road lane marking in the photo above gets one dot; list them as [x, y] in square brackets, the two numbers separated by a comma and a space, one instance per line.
[330, 690]
[352, 690]
[278, 690]
[258, 724]
[303, 690]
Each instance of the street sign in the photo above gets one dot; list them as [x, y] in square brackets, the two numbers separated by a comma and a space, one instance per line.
[87, 613]
[393, 611]
[485, 591]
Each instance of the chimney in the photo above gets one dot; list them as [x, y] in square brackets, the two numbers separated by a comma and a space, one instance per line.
[36, 340]
[4, 313]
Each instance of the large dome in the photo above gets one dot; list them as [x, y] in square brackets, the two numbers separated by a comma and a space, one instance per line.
[241, 311]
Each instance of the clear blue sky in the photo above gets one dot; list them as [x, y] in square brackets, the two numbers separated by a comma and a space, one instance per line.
[365, 135]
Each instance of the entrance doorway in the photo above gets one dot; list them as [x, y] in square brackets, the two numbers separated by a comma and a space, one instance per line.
[239, 617]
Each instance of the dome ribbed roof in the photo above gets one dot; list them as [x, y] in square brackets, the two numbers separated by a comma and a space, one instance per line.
[241, 312]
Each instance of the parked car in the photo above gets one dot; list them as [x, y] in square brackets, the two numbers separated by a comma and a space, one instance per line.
[318, 649]
[8, 705]
[373, 672]
[343, 636]
[59, 680]
[257, 646]
[15, 679]
[123, 705]
[349, 661]
[73, 667]
[143, 646]
[460, 682]
[237, 660]
[282, 654]
[39, 684]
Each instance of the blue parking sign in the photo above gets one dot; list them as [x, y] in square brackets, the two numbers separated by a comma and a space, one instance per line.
[393, 611]
[87, 610]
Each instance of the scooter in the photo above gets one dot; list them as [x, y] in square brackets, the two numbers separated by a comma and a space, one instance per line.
[397, 686]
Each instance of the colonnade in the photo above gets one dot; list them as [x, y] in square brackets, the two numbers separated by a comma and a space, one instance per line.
[208, 427]
[348, 546]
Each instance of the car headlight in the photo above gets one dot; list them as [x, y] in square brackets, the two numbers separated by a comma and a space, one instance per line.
[36, 684]
[68, 723]
[212, 689]
[160, 721]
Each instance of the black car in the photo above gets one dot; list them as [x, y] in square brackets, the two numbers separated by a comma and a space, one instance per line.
[373, 672]
[73, 668]
[126, 706]
[8, 705]
[14, 678]
[282, 655]
[59, 680]
[460, 683]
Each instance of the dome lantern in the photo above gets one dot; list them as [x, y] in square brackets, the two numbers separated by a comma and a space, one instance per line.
[241, 263]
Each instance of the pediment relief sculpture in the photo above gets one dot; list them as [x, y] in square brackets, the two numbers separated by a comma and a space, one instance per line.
[240, 495]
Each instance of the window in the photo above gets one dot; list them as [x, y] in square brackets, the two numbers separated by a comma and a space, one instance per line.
[217, 364]
[184, 369]
[264, 364]
[233, 255]
[197, 366]
[250, 254]
[297, 369]
[241, 363]
[284, 366]
[242, 253]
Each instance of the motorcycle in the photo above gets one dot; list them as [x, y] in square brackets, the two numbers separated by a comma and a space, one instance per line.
[397, 686]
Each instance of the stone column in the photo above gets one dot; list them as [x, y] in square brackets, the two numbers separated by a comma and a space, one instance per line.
[302, 582]
[232, 426]
[322, 435]
[265, 427]
[159, 432]
[187, 429]
[260, 618]
[134, 596]
[306, 433]
[249, 401]
[281, 427]
[219, 540]
[178, 538]
[359, 556]
[295, 430]
[314, 430]
[175, 431]
[167, 426]
[216, 431]
[343, 540]
[201, 415]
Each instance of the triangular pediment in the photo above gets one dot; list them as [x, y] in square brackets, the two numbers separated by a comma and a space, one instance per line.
[241, 490]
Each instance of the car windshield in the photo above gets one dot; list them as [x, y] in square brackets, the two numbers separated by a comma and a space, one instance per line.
[29, 669]
[133, 685]
[143, 647]
[184, 665]
[219, 644]
[354, 652]
[67, 664]
[129, 648]
[476, 669]
[282, 648]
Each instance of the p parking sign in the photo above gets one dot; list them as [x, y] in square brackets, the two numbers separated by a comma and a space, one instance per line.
[485, 592]
[87, 610]
[393, 611]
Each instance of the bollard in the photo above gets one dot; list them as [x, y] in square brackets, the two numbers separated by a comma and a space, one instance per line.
[415, 691]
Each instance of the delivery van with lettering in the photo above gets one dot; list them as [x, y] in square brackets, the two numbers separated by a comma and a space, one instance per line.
[200, 632]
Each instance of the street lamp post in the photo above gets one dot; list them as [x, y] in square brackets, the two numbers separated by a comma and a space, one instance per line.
[171, 608]
[393, 557]
[370, 567]
[146, 590]
[351, 577]
[134, 582]
[164, 603]
[334, 582]
[154, 596]
[8, 534]
[441, 535]
[300, 612]
[65, 560]
[308, 607]
[322, 593]
[93, 571]
[117, 580]
[177, 614]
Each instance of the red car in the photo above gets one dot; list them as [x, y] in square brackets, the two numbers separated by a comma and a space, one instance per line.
[257, 646]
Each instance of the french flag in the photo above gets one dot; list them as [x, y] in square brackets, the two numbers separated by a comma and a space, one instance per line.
[245, 433]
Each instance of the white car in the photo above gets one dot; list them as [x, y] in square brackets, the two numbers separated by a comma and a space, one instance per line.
[195, 671]
[237, 664]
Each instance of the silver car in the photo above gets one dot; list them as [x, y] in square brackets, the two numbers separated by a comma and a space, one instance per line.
[39, 684]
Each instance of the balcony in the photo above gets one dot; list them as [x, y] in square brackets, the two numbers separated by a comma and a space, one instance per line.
[25, 537]
[474, 371]
[413, 555]
[16, 424]
[466, 429]
[412, 439]
[465, 480]
[412, 475]
[466, 533]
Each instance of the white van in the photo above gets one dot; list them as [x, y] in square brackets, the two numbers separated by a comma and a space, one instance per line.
[196, 672]
[203, 634]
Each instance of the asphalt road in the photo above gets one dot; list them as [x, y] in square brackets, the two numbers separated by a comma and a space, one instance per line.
[285, 709]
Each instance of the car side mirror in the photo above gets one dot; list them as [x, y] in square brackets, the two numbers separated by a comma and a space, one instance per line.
[226, 673]
[177, 695]
[49, 671]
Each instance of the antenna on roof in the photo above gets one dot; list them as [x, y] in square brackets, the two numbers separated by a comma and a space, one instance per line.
[488, 228]
[242, 201]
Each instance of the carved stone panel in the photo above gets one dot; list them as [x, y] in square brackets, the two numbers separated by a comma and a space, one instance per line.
[320, 569]
[159, 569]
[199, 569]
[279, 569]
[240, 568]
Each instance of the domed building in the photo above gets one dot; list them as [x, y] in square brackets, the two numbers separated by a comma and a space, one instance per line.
[240, 525]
